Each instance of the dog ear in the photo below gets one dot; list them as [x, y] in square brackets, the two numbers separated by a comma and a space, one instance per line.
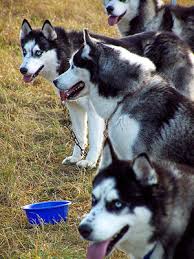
[144, 171]
[108, 155]
[25, 29]
[88, 40]
[48, 31]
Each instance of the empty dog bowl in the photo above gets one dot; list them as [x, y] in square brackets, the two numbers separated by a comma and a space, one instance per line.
[49, 212]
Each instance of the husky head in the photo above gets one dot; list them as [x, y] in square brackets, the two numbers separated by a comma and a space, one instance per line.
[39, 53]
[121, 211]
[119, 10]
[114, 70]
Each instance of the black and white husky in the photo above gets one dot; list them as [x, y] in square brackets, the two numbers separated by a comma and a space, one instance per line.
[143, 112]
[144, 208]
[46, 52]
[134, 16]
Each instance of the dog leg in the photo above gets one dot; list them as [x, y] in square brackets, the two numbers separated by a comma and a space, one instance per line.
[78, 117]
[96, 127]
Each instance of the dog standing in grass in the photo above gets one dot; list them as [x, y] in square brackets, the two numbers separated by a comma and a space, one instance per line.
[144, 113]
[47, 51]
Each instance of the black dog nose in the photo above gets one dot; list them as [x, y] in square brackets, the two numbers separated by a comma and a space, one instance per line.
[110, 9]
[55, 82]
[85, 230]
[23, 70]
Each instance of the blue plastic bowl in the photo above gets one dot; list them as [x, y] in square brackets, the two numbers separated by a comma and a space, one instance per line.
[49, 212]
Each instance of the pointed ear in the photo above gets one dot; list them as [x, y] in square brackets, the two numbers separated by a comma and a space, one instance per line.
[87, 39]
[108, 155]
[25, 29]
[48, 31]
[144, 171]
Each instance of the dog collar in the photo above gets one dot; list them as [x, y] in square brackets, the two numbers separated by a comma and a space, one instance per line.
[149, 254]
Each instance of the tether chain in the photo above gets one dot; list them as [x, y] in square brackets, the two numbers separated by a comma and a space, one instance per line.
[72, 134]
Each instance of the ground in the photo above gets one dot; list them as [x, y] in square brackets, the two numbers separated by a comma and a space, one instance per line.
[34, 138]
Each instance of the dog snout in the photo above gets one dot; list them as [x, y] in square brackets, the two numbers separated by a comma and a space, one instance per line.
[110, 9]
[55, 82]
[23, 70]
[85, 230]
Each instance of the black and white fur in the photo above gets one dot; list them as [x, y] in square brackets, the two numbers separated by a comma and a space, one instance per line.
[171, 56]
[144, 113]
[46, 52]
[134, 16]
[141, 207]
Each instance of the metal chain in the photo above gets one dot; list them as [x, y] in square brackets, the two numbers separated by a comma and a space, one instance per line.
[72, 134]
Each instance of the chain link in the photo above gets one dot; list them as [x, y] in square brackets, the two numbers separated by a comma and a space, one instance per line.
[72, 134]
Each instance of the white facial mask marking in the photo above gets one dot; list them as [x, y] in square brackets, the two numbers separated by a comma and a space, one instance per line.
[32, 63]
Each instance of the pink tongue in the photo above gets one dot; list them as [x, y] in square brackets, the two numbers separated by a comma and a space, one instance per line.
[27, 79]
[97, 250]
[112, 20]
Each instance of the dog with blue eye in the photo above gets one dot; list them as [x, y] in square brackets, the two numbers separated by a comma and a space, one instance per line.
[142, 207]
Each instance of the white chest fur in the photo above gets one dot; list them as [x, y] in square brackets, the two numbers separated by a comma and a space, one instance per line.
[123, 132]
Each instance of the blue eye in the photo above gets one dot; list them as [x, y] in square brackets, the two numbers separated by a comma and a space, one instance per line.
[118, 204]
[38, 53]
[115, 205]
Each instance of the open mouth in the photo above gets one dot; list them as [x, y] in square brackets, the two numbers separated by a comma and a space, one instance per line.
[29, 78]
[102, 249]
[73, 92]
[112, 19]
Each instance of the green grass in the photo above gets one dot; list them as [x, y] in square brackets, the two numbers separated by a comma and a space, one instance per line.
[34, 139]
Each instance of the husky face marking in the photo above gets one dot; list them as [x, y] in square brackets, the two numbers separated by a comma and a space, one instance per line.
[118, 198]
[120, 9]
[39, 55]
[74, 82]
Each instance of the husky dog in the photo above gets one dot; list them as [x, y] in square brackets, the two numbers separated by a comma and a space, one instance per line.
[134, 16]
[143, 112]
[46, 52]
[54, 46]
[144, 208]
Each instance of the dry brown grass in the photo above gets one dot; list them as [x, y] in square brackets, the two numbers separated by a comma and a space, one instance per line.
[33, 141]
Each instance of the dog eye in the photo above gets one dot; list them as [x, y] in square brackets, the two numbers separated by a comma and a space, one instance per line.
[123, 1]
[24, 52]
[94, 201]
[115, 205]
[38, 53]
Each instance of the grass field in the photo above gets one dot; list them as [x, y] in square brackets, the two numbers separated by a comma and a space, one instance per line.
[34, 139]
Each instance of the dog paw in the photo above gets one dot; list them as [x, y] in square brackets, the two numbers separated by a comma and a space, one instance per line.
[86, 164]
[70, 160]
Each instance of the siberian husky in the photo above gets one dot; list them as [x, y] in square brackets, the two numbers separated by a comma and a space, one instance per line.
[134, 16]
[54, 46]
[143, 207]
[46, 52]
[143, 112]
